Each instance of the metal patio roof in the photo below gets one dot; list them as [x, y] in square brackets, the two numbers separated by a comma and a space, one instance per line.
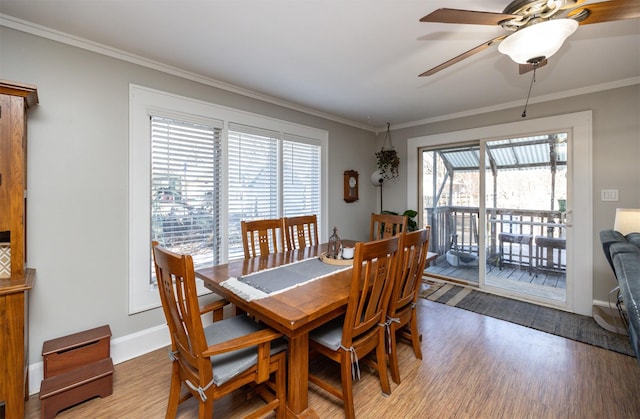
[510, 154]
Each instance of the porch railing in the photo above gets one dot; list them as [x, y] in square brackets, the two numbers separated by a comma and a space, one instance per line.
[456, 227]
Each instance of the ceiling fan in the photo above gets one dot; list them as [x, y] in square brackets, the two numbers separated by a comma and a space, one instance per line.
[539, 26]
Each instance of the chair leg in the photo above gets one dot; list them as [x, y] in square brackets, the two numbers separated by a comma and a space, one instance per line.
[393, 356]
[347, 386]
[415, 335]
[382, 365]
[205, 410]
[174, 391]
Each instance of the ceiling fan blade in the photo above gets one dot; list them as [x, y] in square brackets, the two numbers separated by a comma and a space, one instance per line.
[608, 11]
[466, 16]
[462, 56]
[525, 68]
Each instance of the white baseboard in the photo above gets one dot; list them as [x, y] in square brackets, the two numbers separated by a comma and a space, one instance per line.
[122, 349]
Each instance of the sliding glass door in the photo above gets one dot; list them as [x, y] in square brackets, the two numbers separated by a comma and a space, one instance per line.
[525, 192]
[451, 204]
[502, 227]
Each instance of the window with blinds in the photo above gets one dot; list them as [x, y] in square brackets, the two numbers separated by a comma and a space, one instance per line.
[270, 175]
[186, 162]
[196, 169]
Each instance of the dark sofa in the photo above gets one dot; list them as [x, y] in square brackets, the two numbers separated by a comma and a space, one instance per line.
[623, 254]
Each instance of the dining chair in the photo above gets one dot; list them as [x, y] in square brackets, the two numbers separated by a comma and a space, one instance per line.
[262, 237]
[387, 225]
[357, 333]
[301, 231]
[401, 313]
[215, 304]
[211, 362]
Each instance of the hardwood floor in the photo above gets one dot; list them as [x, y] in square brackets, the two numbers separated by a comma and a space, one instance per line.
[473, 367]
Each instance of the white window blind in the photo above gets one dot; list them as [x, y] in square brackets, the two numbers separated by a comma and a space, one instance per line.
[300, 177]
[253, 179]
[270, 175]
[185, 188]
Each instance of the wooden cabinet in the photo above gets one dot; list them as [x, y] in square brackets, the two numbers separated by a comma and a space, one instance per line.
[16, 280]
[14, 346]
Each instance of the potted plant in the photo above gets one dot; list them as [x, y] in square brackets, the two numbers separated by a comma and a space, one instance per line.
[388, 161]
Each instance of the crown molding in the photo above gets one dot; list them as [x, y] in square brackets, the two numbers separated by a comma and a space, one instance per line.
[510, 105]
[64, 38]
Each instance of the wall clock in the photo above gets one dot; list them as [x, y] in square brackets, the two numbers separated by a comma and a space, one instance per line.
[351, 185]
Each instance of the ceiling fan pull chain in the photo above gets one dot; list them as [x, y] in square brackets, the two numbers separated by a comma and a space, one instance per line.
[533, 80]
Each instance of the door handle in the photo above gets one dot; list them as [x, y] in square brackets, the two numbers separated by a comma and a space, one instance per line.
[568, 218]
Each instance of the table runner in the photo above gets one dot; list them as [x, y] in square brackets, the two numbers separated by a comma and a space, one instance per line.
[273, 281]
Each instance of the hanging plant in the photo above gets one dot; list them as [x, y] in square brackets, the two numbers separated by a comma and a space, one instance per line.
[387, 158]
[388, 162]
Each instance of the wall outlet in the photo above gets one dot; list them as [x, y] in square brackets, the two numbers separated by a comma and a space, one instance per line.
[609, 195]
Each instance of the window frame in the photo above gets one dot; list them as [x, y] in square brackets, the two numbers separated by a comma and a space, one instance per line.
[144, 102]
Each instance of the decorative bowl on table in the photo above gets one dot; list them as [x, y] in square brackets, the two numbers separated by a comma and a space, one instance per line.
[331, 261]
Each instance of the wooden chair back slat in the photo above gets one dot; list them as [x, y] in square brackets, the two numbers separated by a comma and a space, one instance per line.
[387, 225]
[301, 231]
[262, 237]
[413, 255]
[374, 268]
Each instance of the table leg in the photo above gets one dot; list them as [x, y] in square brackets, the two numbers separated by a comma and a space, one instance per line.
[298, 372]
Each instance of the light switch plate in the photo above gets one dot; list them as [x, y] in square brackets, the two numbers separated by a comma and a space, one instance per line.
[609, 195]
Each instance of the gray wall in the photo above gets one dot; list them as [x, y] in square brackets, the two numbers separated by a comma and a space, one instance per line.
[78, 178]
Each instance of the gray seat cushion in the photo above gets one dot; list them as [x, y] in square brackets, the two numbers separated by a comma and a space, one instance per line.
[228, 365]
[329, 334]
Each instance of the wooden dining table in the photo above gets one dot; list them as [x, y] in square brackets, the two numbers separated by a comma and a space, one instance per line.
[293, 312]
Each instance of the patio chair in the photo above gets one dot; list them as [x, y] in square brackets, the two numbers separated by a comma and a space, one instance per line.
[351, 337]
[211, 362]
[401, 314]
[459, 255]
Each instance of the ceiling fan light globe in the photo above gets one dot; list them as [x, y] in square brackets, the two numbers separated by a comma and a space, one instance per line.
[540, 40]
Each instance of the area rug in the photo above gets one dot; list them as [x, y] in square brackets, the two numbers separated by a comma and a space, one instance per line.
[557, 322]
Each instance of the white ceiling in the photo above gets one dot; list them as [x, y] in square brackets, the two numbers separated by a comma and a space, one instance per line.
[357, 60]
